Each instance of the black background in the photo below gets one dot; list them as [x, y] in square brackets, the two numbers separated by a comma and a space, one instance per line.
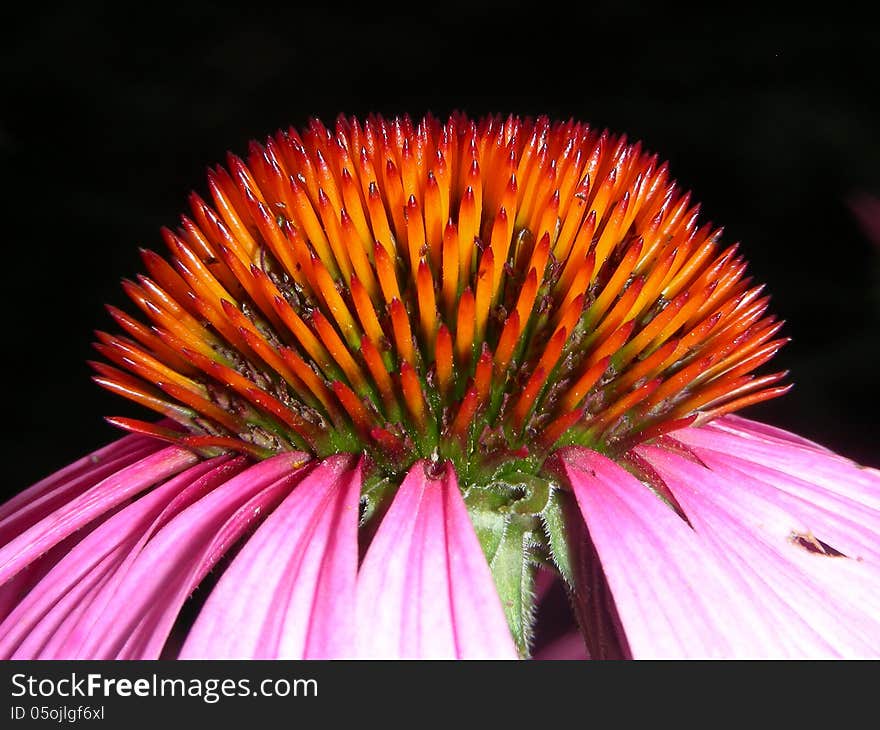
[110, 114]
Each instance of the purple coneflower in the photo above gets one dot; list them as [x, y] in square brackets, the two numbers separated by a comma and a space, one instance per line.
[415, 378]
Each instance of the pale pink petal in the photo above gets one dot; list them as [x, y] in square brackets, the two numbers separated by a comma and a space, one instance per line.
[424, 589]
[806, 462]
[91, 504]
[673, 597]
[132, 611]
[743, 426]
[289, 593]
[48, 605]
[816, 605]
[850, 525]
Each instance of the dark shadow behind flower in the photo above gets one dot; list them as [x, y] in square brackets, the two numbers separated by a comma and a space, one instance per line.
[406, 367]
[866, 209]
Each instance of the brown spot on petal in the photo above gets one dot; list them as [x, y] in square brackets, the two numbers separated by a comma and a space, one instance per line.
[809, 542]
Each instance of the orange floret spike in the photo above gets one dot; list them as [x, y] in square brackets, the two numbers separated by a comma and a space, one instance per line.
[381, 377]
[533, 387]
[652, 284]
[427, 309]
[615, 284]
[578, 391]
[360, 416]
[132, 358]
[335, 303]
[331, 224]
[483, 375]
[743, 402]
[133, 425]
[441, 172]
[355, 206]
[258, 397]
[678, 382]
[403, 338]
[618, 313]
[306, 337]
[579, 253]
[649, 366]
[150, 340]
[480, 291]
[483, 298]
[366, 312]
[144, 395]
[413, 396]
[554, 431]
[606, 418]
[569, 317]
[527, 400]
[338, 351]
[444, 361]
[450, 276]
[167, 279]
[613, 343]
[312, 380]
[540, 255]
[386, 274]
[465, 416]
[467, 233]
[579, 285]
[500, 238]
[650, 330]
[507, 344]
[204, 406]
[730, 391]
[379, 220]
[396, 202]
[526, 301]
[229, 204]
[465, 329]
[360, 262]
[305, 218]
[415, 233]
[434, 224]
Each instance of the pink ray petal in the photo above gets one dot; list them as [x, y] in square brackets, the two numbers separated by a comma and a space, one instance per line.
[816, 605]
[849, 524]
[673, 598]
[17, 587]
[818, 466]
[36, 619]
[133, 611]
[131, 446]
[289, 593]
[96, 501]
[424, 589]
[747, 427]
[153, 627]
[39, 501]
